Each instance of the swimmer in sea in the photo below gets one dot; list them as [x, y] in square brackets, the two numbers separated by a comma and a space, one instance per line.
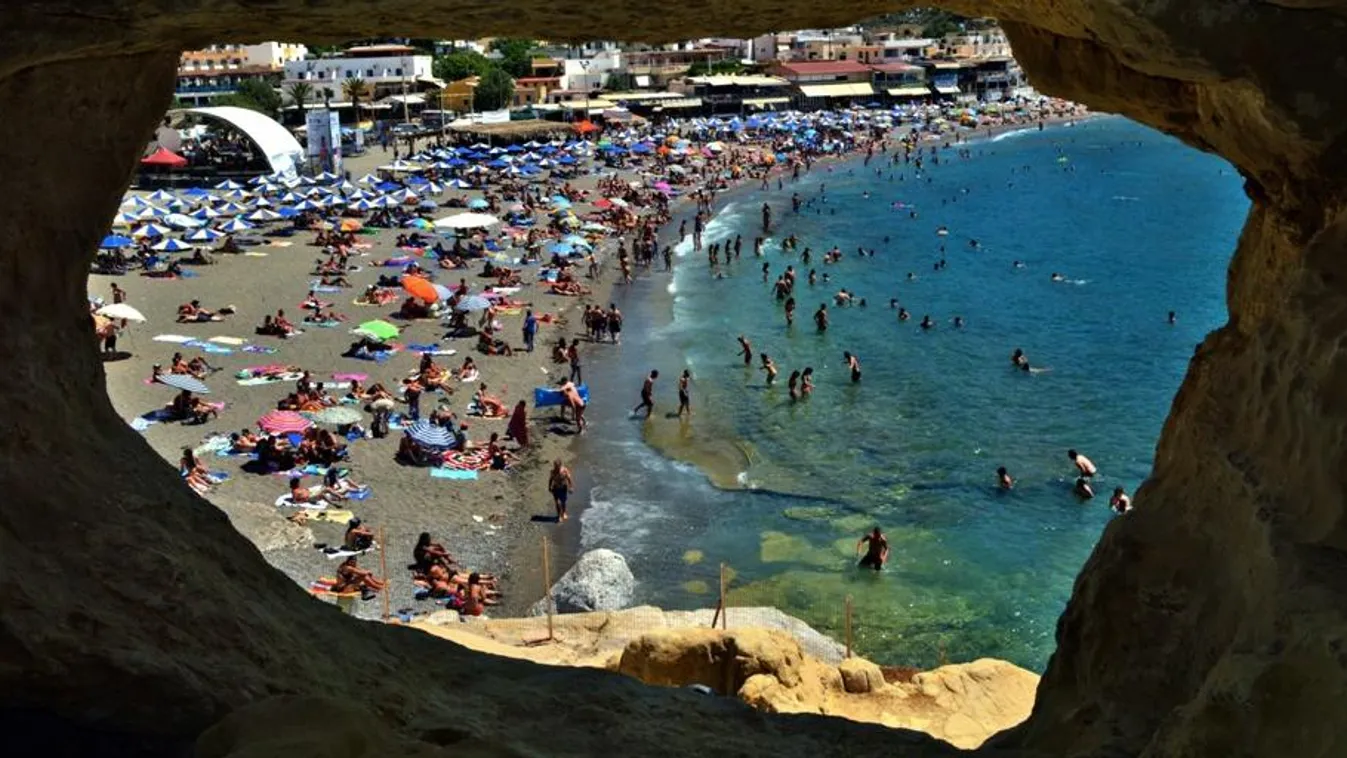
[821, 317]
[807, 381]
[1120, 502]
[769, 367]
[1019, 360]
[1056, 277]
[793, 385]
[1173, 318]
[958, 322]
[893, 303]
[854, 364]
[876, 550]
[1018, 264]
[790, 311]
[903, 315]
[684, 394]
[1082, 489]
[1084, 466]
[1003, 479]
[746, 350]
[926, 322]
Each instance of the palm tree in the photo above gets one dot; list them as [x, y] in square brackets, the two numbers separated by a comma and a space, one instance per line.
[299, 94]
[354, 89]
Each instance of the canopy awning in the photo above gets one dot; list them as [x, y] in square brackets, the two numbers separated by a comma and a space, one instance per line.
[842, 89]
[680, 103]
[947, 89]
[597, 104]
[909, 90]
[164, 157]
[762, 102]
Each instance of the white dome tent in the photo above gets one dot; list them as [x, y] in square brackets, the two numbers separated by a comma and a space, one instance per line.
[282, 151]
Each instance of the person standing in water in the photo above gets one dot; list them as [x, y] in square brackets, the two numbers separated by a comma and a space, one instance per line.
[807, 381]
[1120, 502]
[790, 311]
[647, 403]
[770, 367]
[1173, 318]
[821, 317]
[1003, 479]
[766, 218]
[793, 384]
[854, 364]
[560, 483]
[746, 350]
[684, 395]
[1084, 466]
[876, 550]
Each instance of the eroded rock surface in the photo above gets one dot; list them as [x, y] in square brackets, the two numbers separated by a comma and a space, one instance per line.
[1210, 622]
[599, 581]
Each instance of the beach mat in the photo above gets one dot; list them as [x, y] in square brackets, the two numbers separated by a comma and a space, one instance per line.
[450, 473]
[235, 341]
[550, 396]
[174, 338]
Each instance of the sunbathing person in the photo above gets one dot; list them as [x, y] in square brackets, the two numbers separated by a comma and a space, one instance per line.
[488, 405]
[351, 577]
[193, 313]
[338, 486]
[491, 346]
[229, 245]
[358, 536]
[429, 553]
[298, 492]
[242, 441]
[413, 308]
[197, 476]
[376, 295]
[335, 280]
[468, 371]
[365, 348]
[199, 368]
[313, 303]
[569, 289]
[283, 324]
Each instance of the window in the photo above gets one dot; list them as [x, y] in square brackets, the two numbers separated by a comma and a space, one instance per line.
[397, 72]
[369, 72]
[350, 74]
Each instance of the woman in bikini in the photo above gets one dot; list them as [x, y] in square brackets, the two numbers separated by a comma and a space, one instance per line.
[489, 405]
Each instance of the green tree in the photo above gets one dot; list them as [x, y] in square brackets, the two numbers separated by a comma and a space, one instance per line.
[516, 55]
[461, 64]
[355, 90]
[299, 93]
[256, 94]
[494, 91]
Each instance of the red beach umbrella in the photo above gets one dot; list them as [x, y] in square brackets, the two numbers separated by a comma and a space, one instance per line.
[283, 422]
[420, 288]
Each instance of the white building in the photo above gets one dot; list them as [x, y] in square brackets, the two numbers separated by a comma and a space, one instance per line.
[584, 74]
[273, 54]
[385, 69]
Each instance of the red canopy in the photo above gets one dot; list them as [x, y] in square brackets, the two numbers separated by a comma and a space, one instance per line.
[164, 157]
[586, 126]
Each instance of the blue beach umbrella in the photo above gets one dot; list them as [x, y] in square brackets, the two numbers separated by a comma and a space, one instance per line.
[203, 235]
[237, 225]
[473, 303]
[477, 204]
[228, 185]
[430, 435]
[150, 230]
[172, 246]
[115, 241]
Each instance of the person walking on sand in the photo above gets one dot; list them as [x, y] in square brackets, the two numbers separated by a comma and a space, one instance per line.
[573, 357]
[530, 330]
[876, 550]
[560, 484]
[684, 393]
[746, 350]
[647, 403]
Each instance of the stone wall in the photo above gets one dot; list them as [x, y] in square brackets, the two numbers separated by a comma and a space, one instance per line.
[1210, 622]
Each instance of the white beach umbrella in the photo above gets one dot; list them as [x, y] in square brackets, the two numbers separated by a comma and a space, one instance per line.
[120, 311]
[467, 221]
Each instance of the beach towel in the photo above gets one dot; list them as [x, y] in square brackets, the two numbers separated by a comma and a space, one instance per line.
[176, 338]
[207, 347]
[341, 552]
[471, 460]
[380, 357]
[344, 377]
[278, 243]
[141, 424]
[360, 494]
[262, 349]
[251, 254]
[401, 260]
[323, 288]
[235, 341]
[450, 473]
[323, 586]
[332, 515]
[323, 324]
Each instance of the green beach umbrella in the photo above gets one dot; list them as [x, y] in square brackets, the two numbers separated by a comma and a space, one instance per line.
[379, 330]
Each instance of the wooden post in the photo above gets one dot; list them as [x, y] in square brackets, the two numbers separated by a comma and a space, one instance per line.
[547, 586]
[724, 607]
[848, 624]
[383, 569]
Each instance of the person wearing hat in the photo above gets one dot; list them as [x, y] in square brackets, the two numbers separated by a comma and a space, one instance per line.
[358, 536]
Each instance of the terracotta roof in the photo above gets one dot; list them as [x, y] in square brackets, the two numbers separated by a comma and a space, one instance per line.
[805, 68]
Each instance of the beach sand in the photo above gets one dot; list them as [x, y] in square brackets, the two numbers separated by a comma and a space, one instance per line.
[488, 523]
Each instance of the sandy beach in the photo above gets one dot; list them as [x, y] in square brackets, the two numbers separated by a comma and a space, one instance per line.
[494, 524]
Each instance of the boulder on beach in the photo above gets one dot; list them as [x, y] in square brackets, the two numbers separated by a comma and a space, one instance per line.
[599, 581]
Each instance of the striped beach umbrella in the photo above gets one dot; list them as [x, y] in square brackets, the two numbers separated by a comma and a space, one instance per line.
[184, 382]
[283, 422]
[430, 435]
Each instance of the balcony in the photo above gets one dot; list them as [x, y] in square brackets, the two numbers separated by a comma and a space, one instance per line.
[206, 89]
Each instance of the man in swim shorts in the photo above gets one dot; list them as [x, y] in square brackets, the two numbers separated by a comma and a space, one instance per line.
[647, 395]
[877, 550]
[560, 484]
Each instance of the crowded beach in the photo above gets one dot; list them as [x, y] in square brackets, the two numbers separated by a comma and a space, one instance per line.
[377, 374]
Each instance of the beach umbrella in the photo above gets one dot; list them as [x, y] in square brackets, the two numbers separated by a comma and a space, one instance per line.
[115, 241]
[473, 303]
[263, 215]
[467, 221]
[307, 205]
[444, 292]
[237, 225]
[561, 248]
[228, 184]
[196, 192]
[149, 212]
[287, 211]
[361, 205]
[237, 194]
[181, 221]
[367, 179]
[337, 415]
[327, 176]
[183, 382]
[421, 288]
[377, 329]
[121, 311]
[231, 209]
[135, 201]
[261, 202]
[170, 245]
[203, 235]
[477, 204]
[124, 219]
[150, 230]
[351, 225]
[161, 196]
[205, 213]
[283, 422]
[418, 223]
[430, 435]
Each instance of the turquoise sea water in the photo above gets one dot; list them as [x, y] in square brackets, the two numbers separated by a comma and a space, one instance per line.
[1136, 222]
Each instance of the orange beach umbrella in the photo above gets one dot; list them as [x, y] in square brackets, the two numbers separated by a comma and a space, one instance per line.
[420, 288]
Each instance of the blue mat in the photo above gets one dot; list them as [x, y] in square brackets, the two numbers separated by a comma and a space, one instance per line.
[359, 494]
[451, 473]
[546, 396]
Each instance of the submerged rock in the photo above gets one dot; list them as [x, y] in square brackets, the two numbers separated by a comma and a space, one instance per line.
[599, 581]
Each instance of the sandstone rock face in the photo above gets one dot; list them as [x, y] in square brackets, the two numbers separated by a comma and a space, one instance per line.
[599, 581]
[860, 676]
[1209, 622]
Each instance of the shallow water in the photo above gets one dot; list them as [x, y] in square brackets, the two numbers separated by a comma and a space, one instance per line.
[1136, 222]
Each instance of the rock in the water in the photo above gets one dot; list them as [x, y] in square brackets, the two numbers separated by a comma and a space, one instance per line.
[599, 581]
